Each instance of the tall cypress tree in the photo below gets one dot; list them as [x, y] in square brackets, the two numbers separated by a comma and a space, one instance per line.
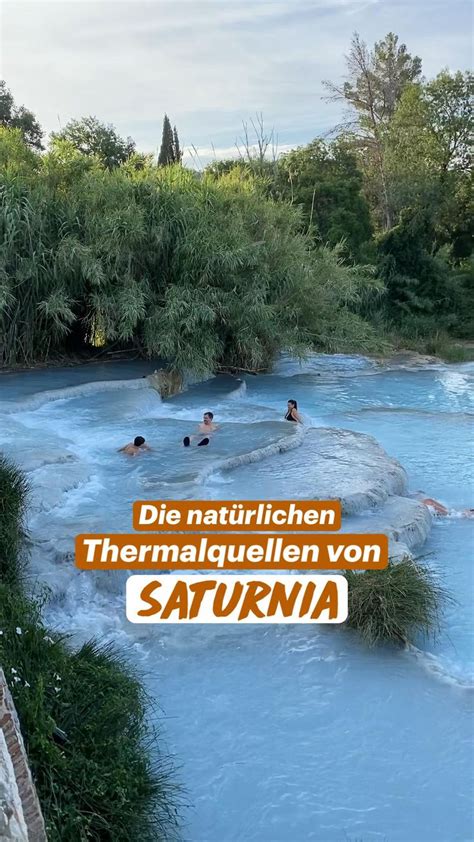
[176, 147]
[166, 155]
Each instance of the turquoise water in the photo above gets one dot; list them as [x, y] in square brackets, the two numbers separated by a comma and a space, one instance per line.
[280, 733]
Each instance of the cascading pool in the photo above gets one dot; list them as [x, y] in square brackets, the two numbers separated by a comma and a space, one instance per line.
[280, 733]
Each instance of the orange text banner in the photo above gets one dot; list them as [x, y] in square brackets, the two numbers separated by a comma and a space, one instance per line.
[236, 515]
[232, 552]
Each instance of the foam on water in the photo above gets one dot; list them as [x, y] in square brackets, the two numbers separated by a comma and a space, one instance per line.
[37, 400]
[319, 364]
[280, 732]
[444, 669]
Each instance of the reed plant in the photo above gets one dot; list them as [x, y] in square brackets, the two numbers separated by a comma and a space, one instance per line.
[84, 713]
[395, 604]
[13, 498]
[201, 272]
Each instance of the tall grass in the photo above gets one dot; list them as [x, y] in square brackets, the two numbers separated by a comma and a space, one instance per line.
[84, 715]
[13, 496]
[201, 272]
[394, 604]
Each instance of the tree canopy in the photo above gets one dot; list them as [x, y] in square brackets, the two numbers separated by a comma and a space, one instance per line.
[332, 245]
[91, 137]
[202, 272]
[326, 182]
[375, 84]
[19, 117]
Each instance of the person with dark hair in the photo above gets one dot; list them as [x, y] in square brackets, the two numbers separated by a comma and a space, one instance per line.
[292, 412]
[133, 448]
[206, 427]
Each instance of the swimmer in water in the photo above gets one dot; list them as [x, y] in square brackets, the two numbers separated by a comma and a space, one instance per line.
[292, 412]
[206, 427]
[439, 509]
[133, 448]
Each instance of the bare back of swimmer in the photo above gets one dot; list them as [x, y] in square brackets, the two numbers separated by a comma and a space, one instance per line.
[133, 448]
[440, 510]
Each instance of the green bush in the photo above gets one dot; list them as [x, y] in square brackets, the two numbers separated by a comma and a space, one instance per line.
[13, 495]
[201, 272]
[84, 715]
[417, 281]
[423, 335]
[95, 777]
[394, 604]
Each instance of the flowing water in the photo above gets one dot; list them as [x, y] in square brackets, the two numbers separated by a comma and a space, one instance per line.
[280, 732]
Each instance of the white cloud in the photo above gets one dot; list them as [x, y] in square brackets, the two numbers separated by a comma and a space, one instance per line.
[211, 64]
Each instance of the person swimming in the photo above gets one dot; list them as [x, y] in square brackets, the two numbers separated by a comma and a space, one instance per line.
[439, 510]
[292, 412]
[206, 426]
[133, 448]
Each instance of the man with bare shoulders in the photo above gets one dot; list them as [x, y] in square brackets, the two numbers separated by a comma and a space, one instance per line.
[205, 428]
[133, 448]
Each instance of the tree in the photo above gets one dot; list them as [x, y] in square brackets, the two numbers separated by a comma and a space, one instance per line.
[204, 273]
[91, 137]
[375, 83]
[18, 117]
[325, 181]
[176, 148]
[393, 68]
[15, 156]
[417, 281]
[433, 124]
[166, 155]
[170, 152]
[254, 150]
[428, 155]
[322, 178]
[448, 100]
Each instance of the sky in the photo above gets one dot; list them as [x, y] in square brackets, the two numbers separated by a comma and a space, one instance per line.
[210, 65]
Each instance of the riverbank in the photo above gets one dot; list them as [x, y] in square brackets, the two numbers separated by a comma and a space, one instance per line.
[420, 350]
[435, 348]
[73, 361]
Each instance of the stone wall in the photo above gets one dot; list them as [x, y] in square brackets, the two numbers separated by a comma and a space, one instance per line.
[12, 820]
[166, 383]
[170, 383]
[20, 813]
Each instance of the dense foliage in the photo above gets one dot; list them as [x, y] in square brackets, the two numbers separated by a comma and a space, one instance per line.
[91, 137]
[13, 491]
[83, 715]
[394, 187]
[396, 604]
[201, 272]
[19, 117]
[325, 180]
[335, 246]
[412, 142]
[170, 152]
